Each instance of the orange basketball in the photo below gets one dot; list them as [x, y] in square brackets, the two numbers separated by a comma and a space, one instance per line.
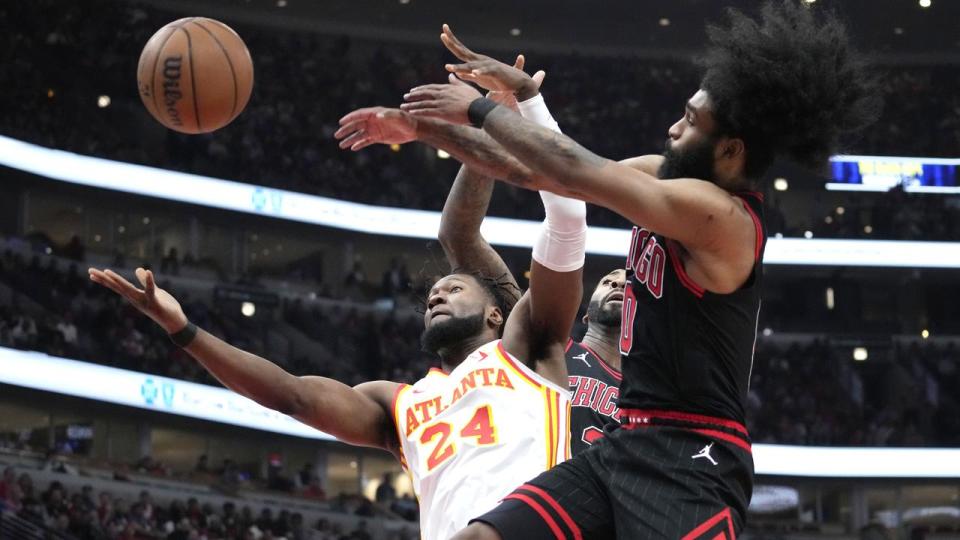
[195, 75]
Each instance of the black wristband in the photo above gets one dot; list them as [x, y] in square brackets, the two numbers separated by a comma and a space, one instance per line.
[479, 109]
[182, 338]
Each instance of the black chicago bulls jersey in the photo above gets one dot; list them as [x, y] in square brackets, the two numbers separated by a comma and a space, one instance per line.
[686, 349]
[594, 389]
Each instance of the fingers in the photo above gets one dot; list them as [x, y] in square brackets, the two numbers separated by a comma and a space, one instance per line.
[126, 287]
[146, 278]
[538, 77]
[114, 282]
[461, 69]
[352, 140]
[362, 144]
[519, 62]
[358, 114]
[98, 277]
[455, 46]
[455, 80]
[349, 128]
[423, 105]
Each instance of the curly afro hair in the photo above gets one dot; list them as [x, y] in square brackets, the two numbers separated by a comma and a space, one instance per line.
[788, 84]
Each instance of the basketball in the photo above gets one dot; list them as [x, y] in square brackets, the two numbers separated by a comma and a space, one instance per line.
[195, 75]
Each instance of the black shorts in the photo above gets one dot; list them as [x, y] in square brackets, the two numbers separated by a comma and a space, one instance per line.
[679, 476]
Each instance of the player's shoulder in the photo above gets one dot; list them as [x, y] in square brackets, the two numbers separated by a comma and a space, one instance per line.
[582, 361]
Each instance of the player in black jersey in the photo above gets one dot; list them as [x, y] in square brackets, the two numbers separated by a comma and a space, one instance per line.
[593, 365]
[786, 84]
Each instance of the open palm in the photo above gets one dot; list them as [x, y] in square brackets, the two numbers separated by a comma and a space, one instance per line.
[152, 301]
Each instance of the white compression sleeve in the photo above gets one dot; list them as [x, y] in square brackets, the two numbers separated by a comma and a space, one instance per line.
[562, 243]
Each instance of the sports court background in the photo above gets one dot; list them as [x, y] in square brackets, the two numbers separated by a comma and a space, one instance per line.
[857, 374]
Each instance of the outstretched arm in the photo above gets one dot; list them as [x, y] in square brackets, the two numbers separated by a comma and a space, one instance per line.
[359, 415]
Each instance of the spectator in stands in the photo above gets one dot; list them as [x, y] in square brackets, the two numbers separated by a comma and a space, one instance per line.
[385, 494]
[7, 481]
[201, 466]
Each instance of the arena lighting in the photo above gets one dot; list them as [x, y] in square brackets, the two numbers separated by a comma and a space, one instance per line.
[248, 309]
[443, 154]
[781, 184]
[925, 3]
[103, 101]
[860, 354]
[174, 396]
[830, 300]
[327, 212]
[925, 333]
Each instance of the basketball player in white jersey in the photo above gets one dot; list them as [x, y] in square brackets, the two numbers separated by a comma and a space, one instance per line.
[494, 415]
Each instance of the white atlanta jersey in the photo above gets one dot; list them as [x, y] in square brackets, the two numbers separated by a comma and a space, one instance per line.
[470, 437]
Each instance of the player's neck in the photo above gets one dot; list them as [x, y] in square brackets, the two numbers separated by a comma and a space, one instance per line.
[604, 341]
[453, 356]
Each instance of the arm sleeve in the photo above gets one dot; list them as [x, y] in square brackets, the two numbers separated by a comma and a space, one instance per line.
[562, 243]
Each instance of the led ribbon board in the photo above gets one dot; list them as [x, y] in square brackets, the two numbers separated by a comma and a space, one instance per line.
[327, 212]
[143, 391]
[163, 394]
[883, 173]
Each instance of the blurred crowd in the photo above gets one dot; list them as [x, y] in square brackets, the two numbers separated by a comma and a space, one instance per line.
[86, 515]
[815, 394]
[618, 107]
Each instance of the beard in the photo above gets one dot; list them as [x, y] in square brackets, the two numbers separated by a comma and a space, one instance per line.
[445, 335]
[606, 315]
[694, 162]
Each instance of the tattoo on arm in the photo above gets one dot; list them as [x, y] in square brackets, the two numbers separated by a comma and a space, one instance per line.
[464, 246]
[547, 153]
[477, 150]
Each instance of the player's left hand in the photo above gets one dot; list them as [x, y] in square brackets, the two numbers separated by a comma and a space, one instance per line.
[487, 72]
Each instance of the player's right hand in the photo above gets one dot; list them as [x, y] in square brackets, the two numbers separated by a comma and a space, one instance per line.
[152, 301]
[375, 125]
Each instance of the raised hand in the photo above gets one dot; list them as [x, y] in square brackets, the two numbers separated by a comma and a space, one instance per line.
[487, 72]
[375, 125]
[152, 301]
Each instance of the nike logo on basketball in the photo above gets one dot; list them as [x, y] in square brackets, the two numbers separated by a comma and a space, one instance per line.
[705, 453]
[582, 357]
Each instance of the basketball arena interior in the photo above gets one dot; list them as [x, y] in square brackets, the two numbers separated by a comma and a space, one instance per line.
[282, 244]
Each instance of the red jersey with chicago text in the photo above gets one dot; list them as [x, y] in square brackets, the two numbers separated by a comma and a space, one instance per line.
[594, 389]
[684, 348]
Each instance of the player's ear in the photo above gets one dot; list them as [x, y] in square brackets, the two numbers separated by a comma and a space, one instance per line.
[585, 319]
[731, 148]
[495, 316]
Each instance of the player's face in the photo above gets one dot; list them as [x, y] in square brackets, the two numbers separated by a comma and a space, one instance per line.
[454, 297]
[456, 311]
[690, 149]
[606, 302]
